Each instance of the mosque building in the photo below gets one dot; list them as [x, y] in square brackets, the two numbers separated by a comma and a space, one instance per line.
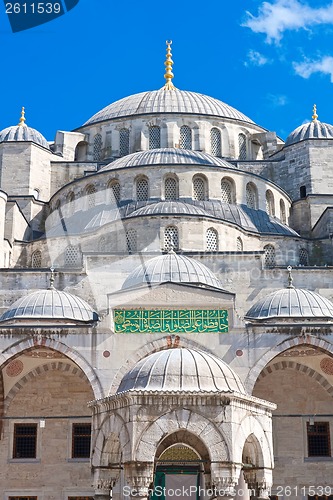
[166, 305]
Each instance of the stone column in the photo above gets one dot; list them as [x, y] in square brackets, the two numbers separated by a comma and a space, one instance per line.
[259, 482]
[139, 477]
[224, 480]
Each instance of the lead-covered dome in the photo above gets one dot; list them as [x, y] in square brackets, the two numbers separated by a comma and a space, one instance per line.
[23, 133]
[311, 130]
[167, 101]
[291, 303]
[50, 305]
[181, 369]
[174, 268]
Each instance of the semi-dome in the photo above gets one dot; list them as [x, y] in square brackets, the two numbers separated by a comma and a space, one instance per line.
[181, 369]
[174, 268]
[291, 303]
[50, 305]
[311, 130]
[167, 101]
[167, 156]
[170, 208]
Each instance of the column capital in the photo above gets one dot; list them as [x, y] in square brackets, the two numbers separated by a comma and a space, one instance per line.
[139, 477]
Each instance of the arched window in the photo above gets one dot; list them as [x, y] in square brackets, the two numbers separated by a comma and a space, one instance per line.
[131, 240]
[212, 244]
[81, 151]
[215, 142]
[303, 257]
[239, 244]
[270, 209]
[302, 192]
[154, 137]
[36, 260]
[70, 203]
[123, 142]
[171, 189]
[242, 153]
[97, 147]
[114, 191]
[185, 140]
[91, 192]
[226, 191]
[142, 189]
[283, 217]
[251, 195]
[72, 256]
[269, 255]
[199, 189]
[171, 238]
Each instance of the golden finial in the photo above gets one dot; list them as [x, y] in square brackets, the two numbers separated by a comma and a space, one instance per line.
[168, 65]
[22, 119]
[314, 116]
[290, 278]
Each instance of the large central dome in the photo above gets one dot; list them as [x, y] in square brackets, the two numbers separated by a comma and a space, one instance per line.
[167, 101]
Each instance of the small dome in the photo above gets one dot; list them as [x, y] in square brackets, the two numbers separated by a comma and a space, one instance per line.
[167, 101]
[174, 268]
[50, 305]
[167, 156]
[169, 208]
[181, 369]
[23, 133]
[291, 303]
[311, 130]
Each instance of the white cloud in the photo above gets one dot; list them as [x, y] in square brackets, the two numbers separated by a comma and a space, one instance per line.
[277, 100]
[307, 68]
[275, 18]
[254, 58]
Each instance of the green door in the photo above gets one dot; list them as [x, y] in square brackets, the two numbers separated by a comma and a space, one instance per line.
[176, 482]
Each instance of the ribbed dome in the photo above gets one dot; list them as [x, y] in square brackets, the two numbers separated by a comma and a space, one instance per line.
[169, 208]
[181, 369]
[167, 101]
[23, 133]
[311, 130]
[291, 303]
[167, 156]
[172, 267]
[50, 304]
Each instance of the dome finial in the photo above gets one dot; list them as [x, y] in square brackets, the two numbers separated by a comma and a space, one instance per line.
[168, 65]
[51, 285]
[22, 119]
[314, 116]
[290, 278]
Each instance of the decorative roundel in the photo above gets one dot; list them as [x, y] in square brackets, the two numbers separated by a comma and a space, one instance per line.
[14, 368]
[326, 365]
[106, 354]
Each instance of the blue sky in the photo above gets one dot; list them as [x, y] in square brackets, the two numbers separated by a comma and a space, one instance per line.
[271, 60]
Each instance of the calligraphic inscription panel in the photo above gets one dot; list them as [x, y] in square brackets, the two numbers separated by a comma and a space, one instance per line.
[171, 320]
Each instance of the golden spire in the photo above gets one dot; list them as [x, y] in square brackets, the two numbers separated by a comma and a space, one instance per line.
[314, 116]
[168, 65]
[22, 119]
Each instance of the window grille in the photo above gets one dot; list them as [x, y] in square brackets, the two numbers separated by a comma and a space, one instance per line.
[242, 153]
[270, 203]
[303, 257]
[215, 142]
[36, 259]
[72, 257]
[91, 192]
[123, 142]
[80, 498]
[269, 256]
[97, 147]
[131, 240]
[226, 191]
[251, 198]
[199, 189]
[154, 137]
[185, 141]
[114, 187]
[239, 244]
[318, 439]
[283, 217]
[171, 189]
[25, 441]
[81, 435]
[22, 498]
[142, 189]
[211, 240]
[171, 238]
[320, 497]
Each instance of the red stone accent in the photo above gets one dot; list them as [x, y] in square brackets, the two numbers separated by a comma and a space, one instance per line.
[14, 368]
[239, 352]
[106, 354]
[326, 365]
